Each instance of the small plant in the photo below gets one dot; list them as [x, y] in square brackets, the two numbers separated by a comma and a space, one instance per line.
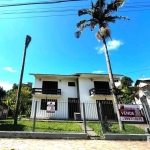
[107, 125]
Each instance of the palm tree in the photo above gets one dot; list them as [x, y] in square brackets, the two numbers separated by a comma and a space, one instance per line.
[101, 13]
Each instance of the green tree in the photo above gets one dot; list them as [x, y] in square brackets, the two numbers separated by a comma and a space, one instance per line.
[128, 91]
[101, 15]
[25, 99]
[126, 82]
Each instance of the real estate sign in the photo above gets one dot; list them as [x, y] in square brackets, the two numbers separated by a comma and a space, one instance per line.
[130, 113]
[50, 107]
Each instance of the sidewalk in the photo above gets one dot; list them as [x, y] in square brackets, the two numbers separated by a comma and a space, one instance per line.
[34, 144]
[90, 132]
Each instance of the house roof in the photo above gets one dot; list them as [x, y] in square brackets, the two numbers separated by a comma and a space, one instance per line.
[143, 80]
[74, 75]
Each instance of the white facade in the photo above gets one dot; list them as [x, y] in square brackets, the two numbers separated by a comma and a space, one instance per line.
[83, 83]
[143, 98]
[144, 91]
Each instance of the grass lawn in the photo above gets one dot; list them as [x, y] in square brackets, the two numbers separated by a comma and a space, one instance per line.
[129, 129]
[45, 126]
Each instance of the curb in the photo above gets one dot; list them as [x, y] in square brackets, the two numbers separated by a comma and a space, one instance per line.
[42, 135]
[137, 137]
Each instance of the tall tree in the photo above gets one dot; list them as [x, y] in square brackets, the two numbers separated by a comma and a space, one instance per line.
[128, 91]
[25, 99]
[101, 15]
[126, 82]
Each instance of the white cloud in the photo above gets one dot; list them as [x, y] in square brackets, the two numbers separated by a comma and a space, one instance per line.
[111, 45]
[6, 85]
[9, 69]
[98, 71]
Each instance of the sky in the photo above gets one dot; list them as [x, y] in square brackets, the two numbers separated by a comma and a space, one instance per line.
[55, 50]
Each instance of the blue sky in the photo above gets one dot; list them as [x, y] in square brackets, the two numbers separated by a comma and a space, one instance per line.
[55, 50]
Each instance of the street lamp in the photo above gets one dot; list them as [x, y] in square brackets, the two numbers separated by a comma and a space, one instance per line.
[27, 42]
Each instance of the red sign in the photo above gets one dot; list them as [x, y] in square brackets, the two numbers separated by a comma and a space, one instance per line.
[50, 107]
[130, 113]
[127, 113]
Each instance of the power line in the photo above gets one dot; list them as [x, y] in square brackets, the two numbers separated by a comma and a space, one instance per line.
[41, 16]
[134, 10]
[137, 71]
[38, 3]
[137, 2]
[45, 11]
[9, 12]
[45, 8]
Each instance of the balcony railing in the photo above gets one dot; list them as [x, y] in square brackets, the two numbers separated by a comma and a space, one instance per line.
[46, 91]
[94, 91]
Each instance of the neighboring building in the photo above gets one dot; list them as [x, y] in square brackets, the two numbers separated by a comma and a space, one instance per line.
[3, 111]
[69, 92]
[143, 94]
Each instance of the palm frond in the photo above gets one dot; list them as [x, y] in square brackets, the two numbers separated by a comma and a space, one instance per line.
[77, 34]
[93, 25]
[84, 11]
[102, 3]
[120, 17]
[81, 23]
[120, 3]
[100, 15]
[114, 5]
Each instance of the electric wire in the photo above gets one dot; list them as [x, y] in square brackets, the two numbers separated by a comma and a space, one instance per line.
[38, 3]
[48, 10]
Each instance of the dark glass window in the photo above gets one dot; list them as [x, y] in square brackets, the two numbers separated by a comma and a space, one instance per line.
[71, 83]
[116, 80]
[102, 87]
[49, 87]
[44, 103]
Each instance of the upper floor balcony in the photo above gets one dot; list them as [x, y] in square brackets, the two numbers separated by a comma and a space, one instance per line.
[40, 92]
[99, 92]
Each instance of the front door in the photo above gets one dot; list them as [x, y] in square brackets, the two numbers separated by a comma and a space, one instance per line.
[107, 109]
[73, 106]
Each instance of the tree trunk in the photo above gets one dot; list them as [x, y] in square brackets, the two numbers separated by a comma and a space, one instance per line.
[112, 82]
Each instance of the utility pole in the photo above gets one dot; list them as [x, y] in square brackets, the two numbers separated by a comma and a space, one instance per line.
[27, 42]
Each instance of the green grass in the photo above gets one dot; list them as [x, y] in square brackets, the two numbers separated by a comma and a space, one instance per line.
[41, 126]
[129, 129]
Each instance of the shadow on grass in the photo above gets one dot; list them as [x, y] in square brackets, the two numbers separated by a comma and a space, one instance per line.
[11, 127]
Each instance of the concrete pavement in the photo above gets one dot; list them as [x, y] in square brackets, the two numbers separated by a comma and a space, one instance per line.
[38, 144]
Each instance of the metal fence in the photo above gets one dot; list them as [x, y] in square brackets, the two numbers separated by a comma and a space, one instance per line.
[67, 110]
[52, 110]
[83, 112]
[75, 111]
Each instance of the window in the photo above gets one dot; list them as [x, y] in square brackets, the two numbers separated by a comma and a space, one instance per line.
[102, 87]
[71, 83]
[44, 103]
[116, 80]
[49, 87]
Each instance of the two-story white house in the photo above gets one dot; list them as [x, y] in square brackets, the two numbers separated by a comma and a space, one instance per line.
[69, 92]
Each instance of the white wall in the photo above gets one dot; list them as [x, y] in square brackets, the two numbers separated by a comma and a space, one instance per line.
[66, 91]
[62, 101]
[85, 84]
[60, 113]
